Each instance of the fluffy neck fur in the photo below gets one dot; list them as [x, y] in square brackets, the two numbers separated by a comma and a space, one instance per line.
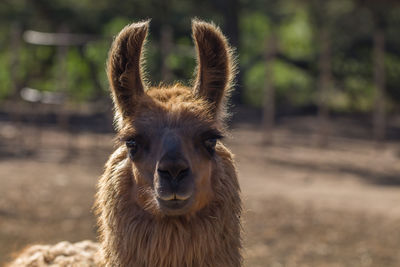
[131, 236]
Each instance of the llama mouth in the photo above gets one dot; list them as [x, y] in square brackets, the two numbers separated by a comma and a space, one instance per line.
[174, 206]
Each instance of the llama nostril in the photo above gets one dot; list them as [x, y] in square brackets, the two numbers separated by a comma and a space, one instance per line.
[182, 174]
[163, 173]
[173, 171]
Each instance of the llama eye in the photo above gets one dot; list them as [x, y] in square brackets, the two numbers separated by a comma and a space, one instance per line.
[131, 143]
[210, 144]
[132, 146]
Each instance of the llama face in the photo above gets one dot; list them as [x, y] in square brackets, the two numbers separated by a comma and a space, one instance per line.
[170, 142]
[170, 133]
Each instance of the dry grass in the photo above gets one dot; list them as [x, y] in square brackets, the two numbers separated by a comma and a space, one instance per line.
[281, 233]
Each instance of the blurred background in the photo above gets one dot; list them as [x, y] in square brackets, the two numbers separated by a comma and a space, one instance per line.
[315, 125]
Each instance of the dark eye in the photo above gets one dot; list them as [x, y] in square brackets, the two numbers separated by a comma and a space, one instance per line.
[132, 146]
[210, 144]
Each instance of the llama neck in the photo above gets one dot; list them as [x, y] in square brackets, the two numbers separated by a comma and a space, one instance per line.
[133, 237]
[200, 241]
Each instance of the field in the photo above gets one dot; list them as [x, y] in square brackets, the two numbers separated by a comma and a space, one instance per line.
[304, 205]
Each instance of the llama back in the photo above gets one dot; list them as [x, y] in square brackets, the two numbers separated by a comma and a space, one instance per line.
[63, 254]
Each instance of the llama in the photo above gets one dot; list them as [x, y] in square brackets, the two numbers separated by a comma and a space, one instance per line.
[169, 195]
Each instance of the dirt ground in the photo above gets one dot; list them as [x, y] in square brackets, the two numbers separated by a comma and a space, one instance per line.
[304, 205]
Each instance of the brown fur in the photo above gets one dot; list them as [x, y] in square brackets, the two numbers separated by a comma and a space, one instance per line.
[216, 66]
[133, 237]
[133, 230]
[63, 254]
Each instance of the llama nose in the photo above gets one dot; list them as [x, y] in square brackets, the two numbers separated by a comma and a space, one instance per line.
[173, 169]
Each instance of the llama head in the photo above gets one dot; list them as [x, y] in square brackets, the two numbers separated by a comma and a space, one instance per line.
[171, 134]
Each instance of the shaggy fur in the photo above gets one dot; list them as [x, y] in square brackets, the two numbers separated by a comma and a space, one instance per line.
[133, 237]
[134, 227]
[133, 231]
[82, 254]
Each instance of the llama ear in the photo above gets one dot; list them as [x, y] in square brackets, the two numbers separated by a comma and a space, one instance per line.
[124, 67]
[215, 66]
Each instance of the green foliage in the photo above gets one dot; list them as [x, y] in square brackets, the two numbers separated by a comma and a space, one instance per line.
[182, 66]
[254, 28]
[114, 26]
[296, 24]
[96, 52]
[5, 81]
[254, 81]
[392, 68]
[293, 86]
[76, 71]
[359, 95]
[296, 39]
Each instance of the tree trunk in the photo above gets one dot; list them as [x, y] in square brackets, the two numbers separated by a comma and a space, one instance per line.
[379, 117]
[15, 45]
[230, 11]
[324, 83]
[268, 116]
